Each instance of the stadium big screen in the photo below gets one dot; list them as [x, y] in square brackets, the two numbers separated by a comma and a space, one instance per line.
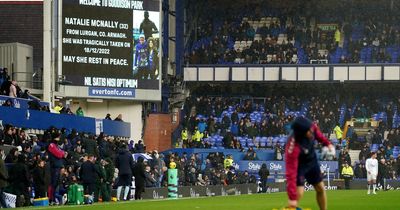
[112, 47]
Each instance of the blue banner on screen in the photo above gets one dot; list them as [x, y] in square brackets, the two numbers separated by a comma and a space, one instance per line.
[112, 92]
[279, 166]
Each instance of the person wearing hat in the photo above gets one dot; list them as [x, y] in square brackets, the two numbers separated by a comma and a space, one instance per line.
[302, 163]
[347, 173]
[140, 178]
[109, 179]
[56, 157]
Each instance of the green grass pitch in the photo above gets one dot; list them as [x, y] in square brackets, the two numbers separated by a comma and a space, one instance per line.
[337, 200]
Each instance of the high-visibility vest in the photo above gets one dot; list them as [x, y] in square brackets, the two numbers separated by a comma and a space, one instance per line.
[338, 132]
[197, 136]
[228, 163]
[347, 171]
[184, 135]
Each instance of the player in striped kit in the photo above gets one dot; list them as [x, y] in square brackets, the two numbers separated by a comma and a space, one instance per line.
[372, 172]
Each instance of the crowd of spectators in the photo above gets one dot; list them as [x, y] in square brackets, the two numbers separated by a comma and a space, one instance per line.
[276, 113]
[10, 87]
[363, 32]
[47, 164]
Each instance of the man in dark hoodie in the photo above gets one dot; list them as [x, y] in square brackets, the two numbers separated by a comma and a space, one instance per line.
[124, 163]
[89, 174]
[19, 181]
[140, 178]
[39, 179]
[263, 173]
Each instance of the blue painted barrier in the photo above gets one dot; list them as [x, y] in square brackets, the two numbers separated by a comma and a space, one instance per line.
[20, 102]
[33, 119]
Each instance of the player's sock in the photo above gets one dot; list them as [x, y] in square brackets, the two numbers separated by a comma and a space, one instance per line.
[369, 188]
[374, 187]
[126, 192]
[119, 189]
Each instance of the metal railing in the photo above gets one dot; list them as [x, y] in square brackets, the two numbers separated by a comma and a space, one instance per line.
[32, 80]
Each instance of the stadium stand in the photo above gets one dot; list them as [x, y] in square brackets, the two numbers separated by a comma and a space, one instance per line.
[225, 131]
[276, 35]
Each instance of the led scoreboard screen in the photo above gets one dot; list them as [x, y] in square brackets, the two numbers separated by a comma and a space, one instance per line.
[111, 46]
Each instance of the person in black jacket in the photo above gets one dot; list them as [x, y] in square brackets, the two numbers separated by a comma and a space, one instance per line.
[88, 175]
[382, 173]
[124, 163]
[19, 181]
[3, 180]
[140, 178]
[39, 179]
[263, 173]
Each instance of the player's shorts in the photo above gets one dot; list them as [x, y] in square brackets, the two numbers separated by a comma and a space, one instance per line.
[311, 174]
[371, 176]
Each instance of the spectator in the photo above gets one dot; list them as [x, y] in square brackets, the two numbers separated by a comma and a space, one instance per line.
[228, 162]
[263, 173]
[108, 117]
[56, 156]
[25, 95]
[12, 156]
[338, 132]
[79, 112]
[90, 145]
[13, 89]
[88, 174]
[19, 181]
[58, 108]
[8, 103]
[196, 138]
[150, 181]
[39, 179]
[109, 179]
[100, 181]
[349, 132]
[278, 152]
[119, 118]
[34, 105]
[140, 178]
[184, 138]
[139, 147]
[250, 154]
[5, 86]
[228, 140]
[3, 180]
[382, 173]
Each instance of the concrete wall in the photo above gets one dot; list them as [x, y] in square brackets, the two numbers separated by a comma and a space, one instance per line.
[131, 112]
[18, 58]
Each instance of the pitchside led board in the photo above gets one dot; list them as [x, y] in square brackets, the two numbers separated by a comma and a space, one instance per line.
[111, 48]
